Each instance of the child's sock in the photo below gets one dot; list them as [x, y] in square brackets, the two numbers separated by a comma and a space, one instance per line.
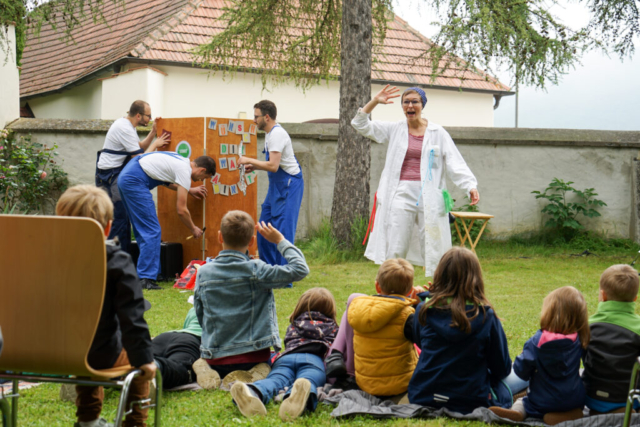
[335, 367]
[206, 377]
[248, 402]
[516, 413]
[296, 403]
[553, 418]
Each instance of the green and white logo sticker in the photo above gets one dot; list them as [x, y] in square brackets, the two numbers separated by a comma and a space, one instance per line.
[184, 149]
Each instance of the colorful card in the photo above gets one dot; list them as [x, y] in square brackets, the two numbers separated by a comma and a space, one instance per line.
[233, 165]
[246, 138]
[233, 149]
[231, 126]
[215, 179]
[250, 178]
[223, 163]
[216, 188]
[244, 150]
[253, 129]
[224, 189]
[239, 128]
[212, 124]
[233, 189]
[224, 149]
[222, 129]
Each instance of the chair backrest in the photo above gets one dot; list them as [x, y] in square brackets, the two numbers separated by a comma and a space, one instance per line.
[52, 284]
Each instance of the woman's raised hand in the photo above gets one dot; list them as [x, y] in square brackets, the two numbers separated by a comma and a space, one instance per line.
[386, 94]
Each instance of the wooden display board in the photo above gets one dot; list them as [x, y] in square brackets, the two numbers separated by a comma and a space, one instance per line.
[209, 136]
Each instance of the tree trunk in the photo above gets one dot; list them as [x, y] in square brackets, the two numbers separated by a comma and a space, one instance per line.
[351, 191]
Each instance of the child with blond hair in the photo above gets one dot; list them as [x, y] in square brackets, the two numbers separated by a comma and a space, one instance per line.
[122, 336]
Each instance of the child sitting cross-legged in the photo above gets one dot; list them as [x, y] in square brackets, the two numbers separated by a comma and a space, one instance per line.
[464, 355]
[615, 342]
[300, 369]
[235, 305]
[374, 340]
[550, 361]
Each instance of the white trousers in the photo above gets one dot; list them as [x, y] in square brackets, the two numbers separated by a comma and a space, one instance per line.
[405, 221]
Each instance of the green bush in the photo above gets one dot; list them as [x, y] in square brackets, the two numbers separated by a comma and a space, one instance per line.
[29, 176]
[565, 204]
[323, 246]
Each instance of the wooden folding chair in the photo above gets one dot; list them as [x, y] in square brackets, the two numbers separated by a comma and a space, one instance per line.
[51, 294]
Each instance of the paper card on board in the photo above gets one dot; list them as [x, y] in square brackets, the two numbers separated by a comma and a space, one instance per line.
[223, 163]
[233, 149]
[249, 178]
[253, 129]
[233, 189]
[244, 150]
[224, 189]
[212, 124]
[233, 164]
[224, 149]
[216, 188]
[240, 128]
[215, 179]
[232, 126]
[246, 138]
[222, 129]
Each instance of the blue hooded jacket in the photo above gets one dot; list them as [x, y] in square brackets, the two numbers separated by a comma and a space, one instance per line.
[458, 370]
[554, 374]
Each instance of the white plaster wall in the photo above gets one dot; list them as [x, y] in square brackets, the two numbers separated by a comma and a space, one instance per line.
[190, 92]
[9, 78]
[80, 102]
[120, 91]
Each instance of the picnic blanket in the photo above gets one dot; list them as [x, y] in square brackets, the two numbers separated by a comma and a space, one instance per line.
[7, 387]
[357, 402]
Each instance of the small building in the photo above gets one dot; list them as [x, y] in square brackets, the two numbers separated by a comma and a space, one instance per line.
[143, 51]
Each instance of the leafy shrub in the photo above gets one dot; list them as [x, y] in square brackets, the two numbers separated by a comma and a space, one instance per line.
[562, 212]
[324, 247]
[29, 176]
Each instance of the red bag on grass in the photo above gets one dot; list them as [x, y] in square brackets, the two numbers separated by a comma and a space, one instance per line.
[187, 279]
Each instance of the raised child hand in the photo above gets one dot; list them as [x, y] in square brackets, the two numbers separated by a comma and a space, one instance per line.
[269, 232]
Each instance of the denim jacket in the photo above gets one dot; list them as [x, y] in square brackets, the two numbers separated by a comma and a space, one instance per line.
[234, 301]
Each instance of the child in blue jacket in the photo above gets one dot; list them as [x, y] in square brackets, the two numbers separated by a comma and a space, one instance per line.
[550, 360]
[464, 356]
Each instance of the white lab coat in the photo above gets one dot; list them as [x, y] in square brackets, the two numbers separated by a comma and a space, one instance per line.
[446, 158]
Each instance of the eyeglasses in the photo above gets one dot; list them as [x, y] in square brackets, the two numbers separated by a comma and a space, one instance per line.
[148, 115]
[411, 102]
[257, 117]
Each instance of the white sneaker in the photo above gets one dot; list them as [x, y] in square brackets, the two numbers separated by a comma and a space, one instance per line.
[248, 403]
[293, 406]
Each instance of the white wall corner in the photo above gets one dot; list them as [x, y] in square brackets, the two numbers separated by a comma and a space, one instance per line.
[9, 77]
[120, 90]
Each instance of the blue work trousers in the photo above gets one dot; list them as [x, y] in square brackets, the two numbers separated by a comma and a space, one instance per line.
[121, 227]
[134, 186]
[281, 208]
[286, 370]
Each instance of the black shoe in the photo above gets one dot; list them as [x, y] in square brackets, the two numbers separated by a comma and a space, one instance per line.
[150, 284]
[335, 367]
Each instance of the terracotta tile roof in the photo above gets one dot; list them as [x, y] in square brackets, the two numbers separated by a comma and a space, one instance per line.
[166, 31]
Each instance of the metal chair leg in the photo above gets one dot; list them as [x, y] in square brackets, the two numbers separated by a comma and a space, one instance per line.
[126, 384]
[14, 403]
[158, 398]
[633, 394]
[5, 412]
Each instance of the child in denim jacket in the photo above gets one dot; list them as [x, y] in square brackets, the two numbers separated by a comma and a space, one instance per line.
[300, 368]
[234, 301]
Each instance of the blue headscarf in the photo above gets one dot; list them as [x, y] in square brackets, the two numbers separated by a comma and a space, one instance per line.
[420, 92]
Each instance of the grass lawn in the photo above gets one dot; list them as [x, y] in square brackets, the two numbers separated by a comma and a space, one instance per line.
[516, 278]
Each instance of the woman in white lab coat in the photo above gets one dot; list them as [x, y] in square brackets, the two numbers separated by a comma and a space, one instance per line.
[411, 221]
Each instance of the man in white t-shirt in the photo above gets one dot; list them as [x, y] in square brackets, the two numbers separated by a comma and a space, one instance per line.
[120, 145]
[286, 185]
[146, 172]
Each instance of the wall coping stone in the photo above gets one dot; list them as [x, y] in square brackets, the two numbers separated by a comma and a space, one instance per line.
[329, 132]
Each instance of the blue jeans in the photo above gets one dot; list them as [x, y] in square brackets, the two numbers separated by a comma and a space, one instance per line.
[515, 383]
[289, 368]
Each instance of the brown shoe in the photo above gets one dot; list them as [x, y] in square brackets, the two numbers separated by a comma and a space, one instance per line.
[509, 414]
[553, 418]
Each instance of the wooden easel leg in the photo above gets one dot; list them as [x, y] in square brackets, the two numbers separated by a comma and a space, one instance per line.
[473, 244]
[466, 230]
[458, 230]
